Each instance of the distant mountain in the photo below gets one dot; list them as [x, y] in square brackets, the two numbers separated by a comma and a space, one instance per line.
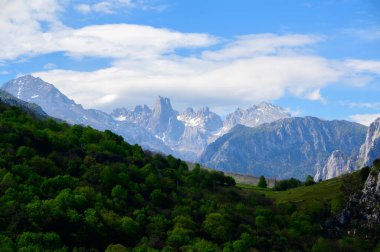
[163, 122]
[9, 99]
[339, 163]
[255, 116]
[290, 147]
[140, 115]
[260, 140]
[370, 150]
[56, 104]
[189, 132]
[203, 119]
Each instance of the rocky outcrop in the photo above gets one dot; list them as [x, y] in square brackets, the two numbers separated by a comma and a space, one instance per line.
[337, 164]
[362, 211]
[370, 150]
[290, 147]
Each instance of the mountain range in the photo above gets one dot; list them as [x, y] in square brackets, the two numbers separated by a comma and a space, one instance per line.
[261, 140]
[290, 147]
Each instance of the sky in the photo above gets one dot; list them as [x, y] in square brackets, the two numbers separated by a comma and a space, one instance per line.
[319, 58]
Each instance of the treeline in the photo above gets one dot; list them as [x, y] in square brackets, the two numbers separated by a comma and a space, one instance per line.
[286, 184]
[72, 188]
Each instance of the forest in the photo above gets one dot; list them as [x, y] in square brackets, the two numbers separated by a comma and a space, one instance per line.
[73, 188]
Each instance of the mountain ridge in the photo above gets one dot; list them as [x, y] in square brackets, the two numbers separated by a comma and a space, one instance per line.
[299, 144]
[189, 134]
[58, 105]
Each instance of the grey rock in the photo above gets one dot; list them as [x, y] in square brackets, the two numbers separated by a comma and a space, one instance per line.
[140, 115]
[290, 147]
[203, 119]
[370, 150]
[363, 207]
[337, 164]
[255, 116]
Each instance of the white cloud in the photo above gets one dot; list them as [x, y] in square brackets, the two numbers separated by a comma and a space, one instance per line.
[124, 41]
[21, 30]
[49, 66]
[366, 66]
[4, 72]
[368, 105]
[365, 119]
[188, 80]
[249, 46]
[145, 62]
[108, 41]
[113, 6]
[315, 96]
[297, 112]
[83, 8]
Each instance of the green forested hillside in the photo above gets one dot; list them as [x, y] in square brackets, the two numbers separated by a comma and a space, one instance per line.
[72, 188]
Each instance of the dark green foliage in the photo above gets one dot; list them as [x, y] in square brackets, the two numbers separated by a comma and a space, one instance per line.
[309, 180]
[354, 182]
[72, 188]
[262, 182]
[375, 167]
[286, 184]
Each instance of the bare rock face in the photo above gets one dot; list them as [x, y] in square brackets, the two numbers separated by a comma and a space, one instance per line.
[203, 119]
[140, 115]
[337, 164]
[290, 147]
[362, 211]
[370, 200]
[255, 116]
[370, 150]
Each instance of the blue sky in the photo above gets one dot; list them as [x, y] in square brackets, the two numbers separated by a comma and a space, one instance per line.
[319, 58]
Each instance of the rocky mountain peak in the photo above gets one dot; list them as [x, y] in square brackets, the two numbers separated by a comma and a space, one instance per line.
[162, 114]
[370, 150]
[189, 111]
[203, 111]
[255, 115]
[142, 109]
[28, 87]
[163, 106]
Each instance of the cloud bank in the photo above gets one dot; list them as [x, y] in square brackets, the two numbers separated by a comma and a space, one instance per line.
[191, 68]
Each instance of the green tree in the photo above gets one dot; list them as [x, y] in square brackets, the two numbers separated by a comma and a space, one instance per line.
[262, 182]
[217, 226]
[309, 180]
[116, 248]
[179, 237]
[323, 245]
[6, 244]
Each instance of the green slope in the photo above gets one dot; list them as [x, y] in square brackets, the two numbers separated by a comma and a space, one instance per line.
[73, 188]
[324, 191]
